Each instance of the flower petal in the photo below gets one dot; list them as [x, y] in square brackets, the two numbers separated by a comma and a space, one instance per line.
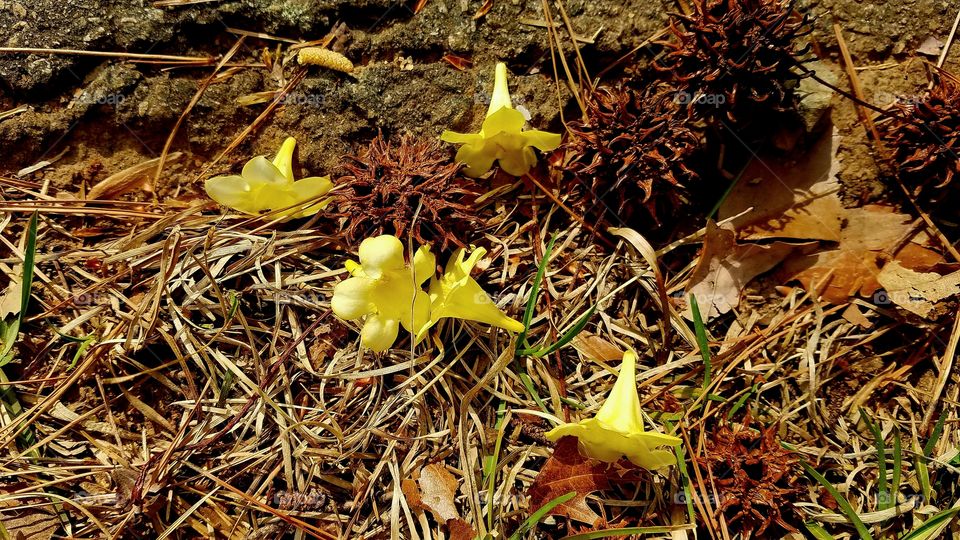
[284, 160]
[420, 313]
[312, 188]
[424, 265]
[460, 138]
[231, 191]
[504, 120]
[458, 295]
[518, 162]
[500, 97]
[381, 253]
[351, 298]
[603, 443]
[621, 410]
[477, 158]
[542, 140]
[379, 332]
[260, 169]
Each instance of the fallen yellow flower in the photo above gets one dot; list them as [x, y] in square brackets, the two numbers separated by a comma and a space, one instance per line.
[385, 291]
[456, 294]
[501, 136]
[263, 186]
[617, 430]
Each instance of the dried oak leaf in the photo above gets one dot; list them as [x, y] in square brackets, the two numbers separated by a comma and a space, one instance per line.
[434, 491]
[866, 241]
[568, 471]
[789, 198]
[593, 347]
[725, 267]
[917, 292]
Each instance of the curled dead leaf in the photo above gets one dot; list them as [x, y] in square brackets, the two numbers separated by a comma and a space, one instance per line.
[917, 292]
[725, 267]
[138, 176]
[872, 235]
[569, 471]
[789, 198]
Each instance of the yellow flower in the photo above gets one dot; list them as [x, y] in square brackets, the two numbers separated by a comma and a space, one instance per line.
[501, 137]
[385, 291]
[263, 186]
[617, 430]
[458, 295]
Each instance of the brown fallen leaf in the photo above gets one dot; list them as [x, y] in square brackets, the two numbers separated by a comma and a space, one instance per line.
[137, 176]
[790, 198]
[917, 292]
[865, 243]
[593, 347]
[458, 62]
[854, 315]
[460, 530]
[437, 489]
[725, 267]
[568, 471]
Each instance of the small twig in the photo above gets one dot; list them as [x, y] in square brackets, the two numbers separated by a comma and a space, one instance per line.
[110, 54]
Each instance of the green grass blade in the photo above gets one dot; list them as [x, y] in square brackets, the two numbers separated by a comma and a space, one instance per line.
[925, 455]
[684, 475]
[933, 527]
[538, 516]
[29, 254]
[567, 337]
[841, 500]
[535, 292]
[10, 330]
[897, 467]
[701, 332]
[743, 399]
[817, 531]
[935, 436]
[883, 493]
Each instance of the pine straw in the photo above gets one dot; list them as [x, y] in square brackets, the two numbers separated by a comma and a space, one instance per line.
[218, 385]
[218, 395]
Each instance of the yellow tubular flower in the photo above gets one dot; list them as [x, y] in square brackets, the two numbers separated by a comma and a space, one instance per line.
[458, 295]
[617, 430]
[501, 137]
[263, 186]
[384, 291]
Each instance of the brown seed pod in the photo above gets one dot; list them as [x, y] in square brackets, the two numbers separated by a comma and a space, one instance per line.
[925, 140]
[634, 148]
[731, 59]
[386, 183]
[756, 479]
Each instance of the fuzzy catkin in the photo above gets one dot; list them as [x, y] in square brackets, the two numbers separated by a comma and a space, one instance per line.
[319, 56]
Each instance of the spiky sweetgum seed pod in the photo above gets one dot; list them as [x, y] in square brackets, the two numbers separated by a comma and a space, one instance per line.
[729, 58]
[386, 183]
[925, 140]
[633, 148]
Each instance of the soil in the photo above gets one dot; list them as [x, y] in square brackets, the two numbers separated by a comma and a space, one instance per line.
[112, 114]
